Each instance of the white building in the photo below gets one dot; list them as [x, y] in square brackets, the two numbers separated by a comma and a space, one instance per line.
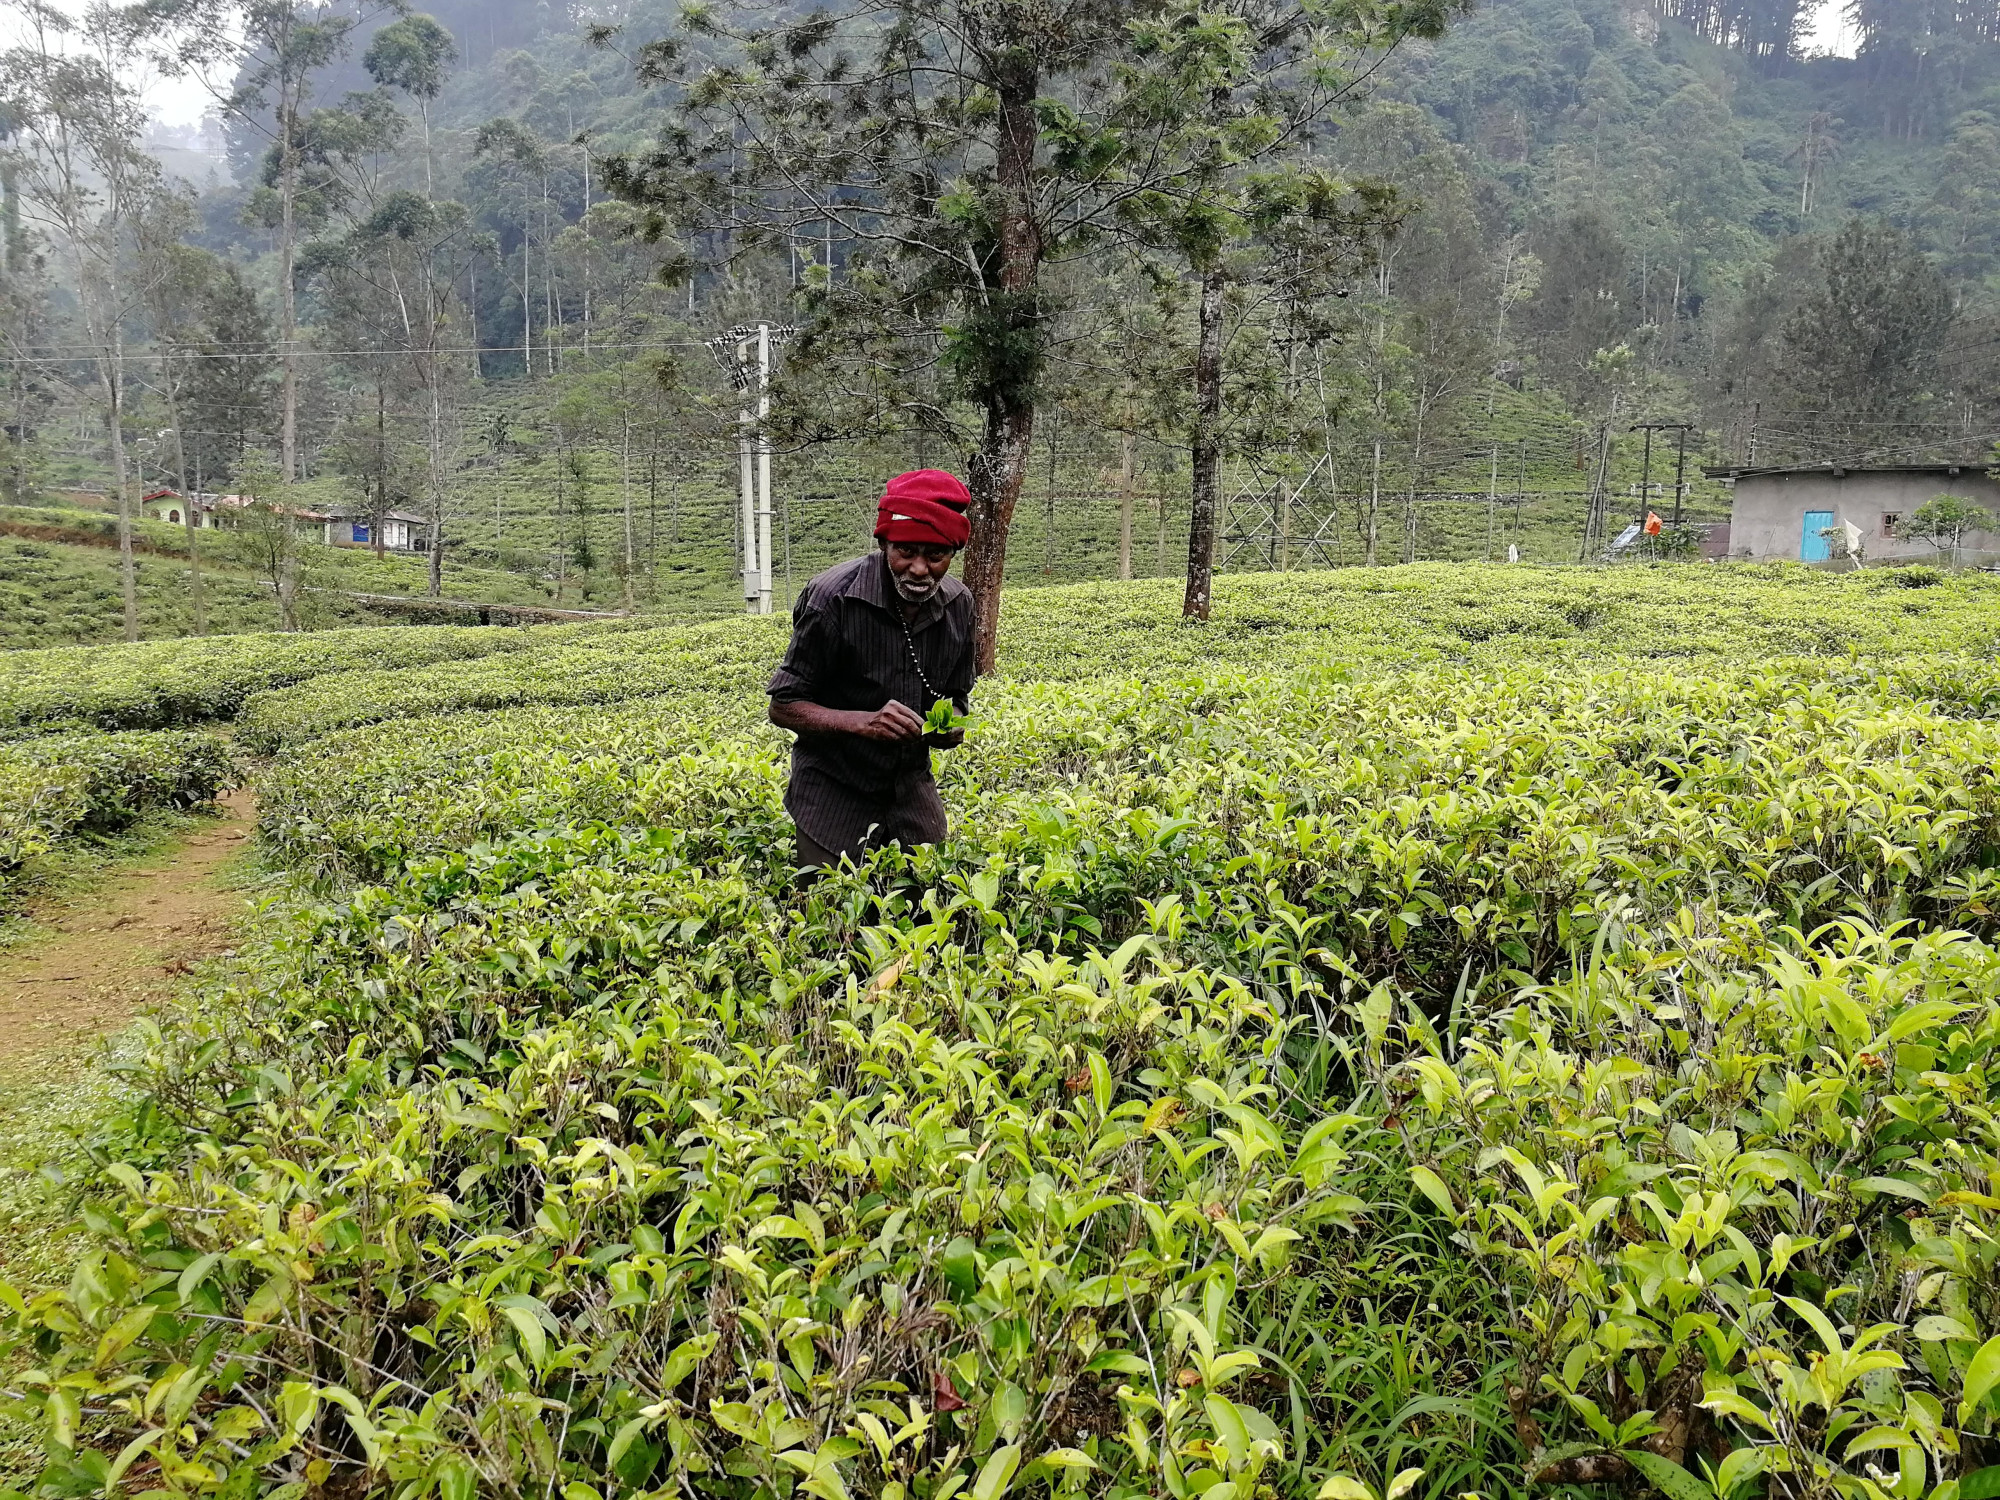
[354, 526]
[339, 526]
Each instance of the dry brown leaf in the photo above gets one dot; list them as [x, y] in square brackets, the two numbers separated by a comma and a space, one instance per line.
[884, 982]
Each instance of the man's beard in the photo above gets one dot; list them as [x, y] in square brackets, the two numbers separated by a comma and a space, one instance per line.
[912, 592]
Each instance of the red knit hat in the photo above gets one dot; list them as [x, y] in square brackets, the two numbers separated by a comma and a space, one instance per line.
[926, 506]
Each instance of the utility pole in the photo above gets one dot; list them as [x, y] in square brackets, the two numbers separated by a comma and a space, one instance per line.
[1680, 475]
[764, 468]
[1492, 500]
[1646, 486]
[745, 352]
[746, 488]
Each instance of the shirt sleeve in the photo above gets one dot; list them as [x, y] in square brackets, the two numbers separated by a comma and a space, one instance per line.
[964, 672]
[807, 660]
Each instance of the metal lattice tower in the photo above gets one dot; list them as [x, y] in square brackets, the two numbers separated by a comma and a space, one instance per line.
[1290, 521]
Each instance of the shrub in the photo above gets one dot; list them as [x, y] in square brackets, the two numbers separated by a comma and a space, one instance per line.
[58, 785]
[159, 684]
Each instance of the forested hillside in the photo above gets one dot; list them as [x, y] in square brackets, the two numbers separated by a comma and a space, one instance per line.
[1603, 215]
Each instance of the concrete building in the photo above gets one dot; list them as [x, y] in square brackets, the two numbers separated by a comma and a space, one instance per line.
[168, 506]
[1782, 513]
[340, 526]
[354, 526]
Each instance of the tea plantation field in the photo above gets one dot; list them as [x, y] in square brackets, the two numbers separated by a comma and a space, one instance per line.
[1430, 1031]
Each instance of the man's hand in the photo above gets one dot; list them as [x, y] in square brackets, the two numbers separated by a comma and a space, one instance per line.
[892, 721]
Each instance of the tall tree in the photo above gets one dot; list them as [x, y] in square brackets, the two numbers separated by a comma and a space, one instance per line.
[1861, 347]
[917, 133]
[25, 317]
[227, 384]
[508, 185]
[413, 55]
[1583, 303]
[84, 182]
[1437, 279]
[1214, 92]
[400, 268]
[176, 278]
[260, 59]
[955, 148]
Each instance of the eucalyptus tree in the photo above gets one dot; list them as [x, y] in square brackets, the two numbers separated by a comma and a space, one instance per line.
[175, 276]
[1436, 279]
[413, 55]
[260, 60]
[82, 182]
[1217, 104]
[508, 184]
[26, 314]
[398, 270]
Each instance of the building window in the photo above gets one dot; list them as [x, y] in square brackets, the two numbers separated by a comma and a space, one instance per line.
[174, 516]
[360, 531]
[1890, 521]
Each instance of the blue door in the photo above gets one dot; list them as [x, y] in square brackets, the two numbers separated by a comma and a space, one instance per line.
[1812, 546]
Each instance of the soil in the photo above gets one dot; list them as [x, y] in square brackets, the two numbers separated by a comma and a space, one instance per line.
[103, 957]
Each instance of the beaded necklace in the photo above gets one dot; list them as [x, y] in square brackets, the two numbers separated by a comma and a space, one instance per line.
[916, 660]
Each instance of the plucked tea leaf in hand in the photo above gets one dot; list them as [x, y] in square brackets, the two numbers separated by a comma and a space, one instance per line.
[944, 718]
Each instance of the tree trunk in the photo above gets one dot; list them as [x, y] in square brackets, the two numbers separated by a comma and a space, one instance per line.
[381, 469]
[625, 466]
[437, 482]
[1127, 478]
[1207, 456]
[288, 572]
[114, 421]
[288, 302]
[999, 468]
[197, 604]
[1410, 494]
[1374, 529]
[562, 534]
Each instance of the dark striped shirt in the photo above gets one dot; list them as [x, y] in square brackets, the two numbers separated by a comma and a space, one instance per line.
[850, 651]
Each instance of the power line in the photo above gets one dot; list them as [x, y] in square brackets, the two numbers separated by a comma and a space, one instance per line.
[84, 351]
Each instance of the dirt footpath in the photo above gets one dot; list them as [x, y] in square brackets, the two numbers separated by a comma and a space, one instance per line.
[117, 948]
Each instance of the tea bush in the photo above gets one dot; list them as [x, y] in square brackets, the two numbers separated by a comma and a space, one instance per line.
[1356, 621]
[160, 684]
[734, 656]
[1293, 1077]
[62, 784]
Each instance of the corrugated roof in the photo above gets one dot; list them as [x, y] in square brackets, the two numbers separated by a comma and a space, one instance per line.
[1842, 471]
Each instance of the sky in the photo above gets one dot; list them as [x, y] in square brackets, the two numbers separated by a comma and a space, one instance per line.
[180, 102]
[1831, 32]
[173, 101]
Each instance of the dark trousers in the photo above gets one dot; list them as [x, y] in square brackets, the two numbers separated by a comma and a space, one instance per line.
[917, 817]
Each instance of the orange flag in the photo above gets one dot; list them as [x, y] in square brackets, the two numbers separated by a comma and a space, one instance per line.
[1652, 524]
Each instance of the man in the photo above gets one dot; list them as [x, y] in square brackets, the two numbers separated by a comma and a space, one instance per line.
[875, 643]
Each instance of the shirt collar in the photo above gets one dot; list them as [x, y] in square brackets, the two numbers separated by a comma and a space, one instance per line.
[873, 584]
